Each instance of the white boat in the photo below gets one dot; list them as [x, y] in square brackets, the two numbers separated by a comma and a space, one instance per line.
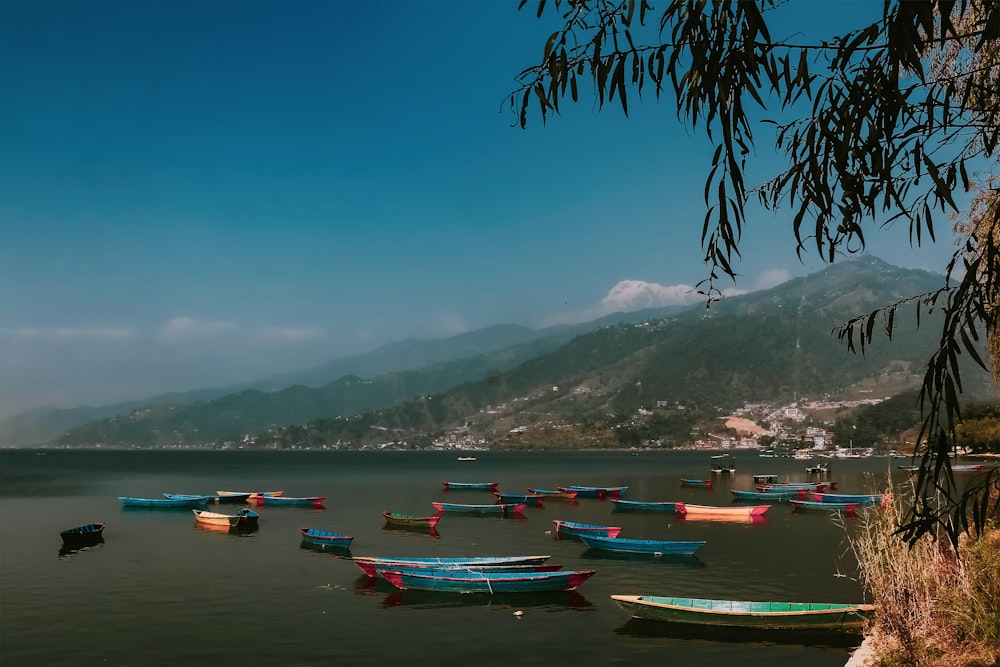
[466, 458]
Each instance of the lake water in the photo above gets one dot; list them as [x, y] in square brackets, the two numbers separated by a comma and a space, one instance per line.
[162, 591]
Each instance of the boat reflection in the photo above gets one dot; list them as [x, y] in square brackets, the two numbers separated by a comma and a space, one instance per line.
[235, 531]
[344, 552]
[70, 548]
[547, 602]
[689, 560]
[639, 628]
[423, 531]
[722, 518]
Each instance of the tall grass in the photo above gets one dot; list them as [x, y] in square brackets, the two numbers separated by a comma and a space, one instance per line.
[932, 606]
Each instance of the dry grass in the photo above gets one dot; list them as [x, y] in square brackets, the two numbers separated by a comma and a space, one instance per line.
[932, 607]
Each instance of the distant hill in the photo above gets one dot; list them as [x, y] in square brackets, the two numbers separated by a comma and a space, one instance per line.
[486, 350]
[766, 346]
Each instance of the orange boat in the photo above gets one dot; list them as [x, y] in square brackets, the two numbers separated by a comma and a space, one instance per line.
[735, 512]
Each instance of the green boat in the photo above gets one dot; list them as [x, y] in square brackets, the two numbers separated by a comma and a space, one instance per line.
[744, 614]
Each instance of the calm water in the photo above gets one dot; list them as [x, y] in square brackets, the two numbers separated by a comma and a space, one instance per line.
[162, 591]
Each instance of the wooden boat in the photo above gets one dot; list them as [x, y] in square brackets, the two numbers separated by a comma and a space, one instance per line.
[564, 528]
[276, 501]
[746, 614]
[642, 506]
[86, 535]
[768, 495]
[245, 518]
[532, 499]
[370, 564]
[850, 509]
[596, 491]
[499, 508]
[411, 520]
[732, 511]
[471, 486]
[703, 483]
[554, 493]
[325, 537]
[860, 498]
[225, 494]
[471, 581]
[165, 503]
[633, 546]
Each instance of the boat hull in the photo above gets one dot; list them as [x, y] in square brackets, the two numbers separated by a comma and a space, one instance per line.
[710, 511]
[471, 486]
[452, 581]
[703, 483]
[619, 505]
[325, 538]
[501, 509]
[746, 614]
[860, 499]
[410, 520]
[554, 493]
[776, 496]
[650, 547]
[596, 491]
[165, 503]
[574, 529]
[87, 535]
[370, 564]
[243, 519]
[315, 502]
[850, 509]
[533, 499]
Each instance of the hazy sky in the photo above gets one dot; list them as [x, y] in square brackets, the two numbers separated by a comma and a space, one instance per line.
[196, 194]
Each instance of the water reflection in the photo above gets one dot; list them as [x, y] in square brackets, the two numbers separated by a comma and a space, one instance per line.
[424, 531]
[638, 628]
[236, 531]
[689, 560]
[344, 552]
[69, 548]
[548, 602]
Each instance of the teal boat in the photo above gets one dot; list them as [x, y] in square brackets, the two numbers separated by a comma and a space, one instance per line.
[849, 509]
[643, 506]
[649, 547]
[768, 495]
[745, 614]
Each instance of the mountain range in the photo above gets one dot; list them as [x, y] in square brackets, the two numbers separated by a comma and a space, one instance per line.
[680, 367]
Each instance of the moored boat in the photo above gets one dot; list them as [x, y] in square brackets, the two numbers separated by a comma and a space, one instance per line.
[411, 520]
[703, 483]
[748, 614]
[85, 535]
[245, 518]
[532, 499]
[315, 502]
[471, 486]
[575, 529]
[765, 478]
[732, 511]
[596, 491]
[325, 537]
[554, 493]
[471, 581]
[849, 509]
[370, 564]
[226, 494]
[771, 496]
[794, 486]
[499, 508]
[619, 505]
[634, 546]
[524, 568]
[859, 498]
[165, 503]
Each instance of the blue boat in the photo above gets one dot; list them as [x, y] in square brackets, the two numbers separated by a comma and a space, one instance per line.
[423, 569]
[315, 502]
[652, 547]
[471, 581]
[703, 483]
[849, 509]
[193, 502]
[533, 499]
[471, 486]
[596, 491]
[564, 528]
[499, 508]
[861, 499]
[370, 564]
[768, 495]
[325, 537]
[642, 506]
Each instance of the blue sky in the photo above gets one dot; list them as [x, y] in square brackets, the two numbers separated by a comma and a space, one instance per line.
[197, 194]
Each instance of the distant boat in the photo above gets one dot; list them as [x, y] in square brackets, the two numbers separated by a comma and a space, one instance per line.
[228, 498]
[325, 537]
[765, 478]
[772, 496]
[245, 518]
[596, 491]
[466, 458]
[370, 564]
[224, 494]
[165, 503]
[690, 511]
[499, 508]
[723, 463]
[315, 502]
[572, 528]
[704, 483]
[745, 614]
[471, 486]
[619, 505]
[819, 468]
[532, 499]
[633, 546]
[555, 493]
[82, 536]
[471, 581]
[796, 486]
[411, 520]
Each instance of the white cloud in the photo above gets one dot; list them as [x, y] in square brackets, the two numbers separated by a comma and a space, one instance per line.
[185, 328]
[771, 278]
[68, 334]
[630, 295]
